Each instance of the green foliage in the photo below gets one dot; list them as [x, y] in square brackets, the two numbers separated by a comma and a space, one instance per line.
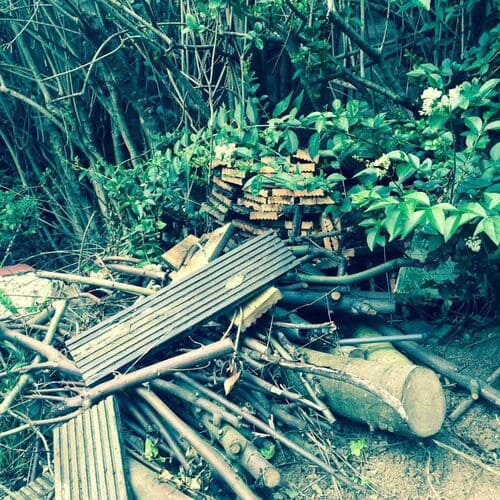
[357, 446]
[19, 216]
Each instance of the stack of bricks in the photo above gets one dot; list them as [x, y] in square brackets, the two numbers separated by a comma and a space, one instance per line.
[291, 212]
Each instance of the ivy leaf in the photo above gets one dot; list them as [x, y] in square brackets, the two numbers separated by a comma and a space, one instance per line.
[490, 226]
[474, 208]
[488, 86]
[404, 172]
[313, 147]
[436, 218]
[451, 225]
[419, 197]
[493, 200]
[412, 222]
[371, 237]
[282, 106]
[391, 223]
[342, 123]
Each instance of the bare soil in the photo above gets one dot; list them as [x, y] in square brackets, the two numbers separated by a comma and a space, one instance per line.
[392, 466]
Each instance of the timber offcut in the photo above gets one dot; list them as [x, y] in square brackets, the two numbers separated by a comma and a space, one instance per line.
[128, 336]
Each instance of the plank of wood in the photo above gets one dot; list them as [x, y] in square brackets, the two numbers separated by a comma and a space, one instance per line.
[221, 197]
[211, 246]
[252, 310]
[264, 215]
[205, 207]
[260, 207]
[223, 185]
[248, 227]
[303, 154]
[220, 206]
[176, 255]
[307, 224]
[234, 172]
[315, 200]
[233, 180]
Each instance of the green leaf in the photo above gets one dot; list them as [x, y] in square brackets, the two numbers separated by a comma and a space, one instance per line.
[404, 172]
[474, 208]
[292, 141]
[419, 197]
[372, 236]
[425, 4]
[490, 226]
[492, 199]
[495, 152]
[357, 446]
[391, 223]
[451, 225]
[488, 86]
[436, 218]
[313, 146]
[342, 123]
[412, 222]
[397, 155]
[252, 114]
[474, 123]
[493, 125]
[282, 106]
[336, 177]
[268, 450]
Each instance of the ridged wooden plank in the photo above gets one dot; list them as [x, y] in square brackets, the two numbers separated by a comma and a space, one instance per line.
[88, 457]
[131, 334]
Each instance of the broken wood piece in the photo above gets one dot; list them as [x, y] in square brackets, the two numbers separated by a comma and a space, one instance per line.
[304, 225]
[252, 310]
[177, 254]
[418, 389]
[234, 172]
[136, 331]
[41, 488]
[88, 456]
[248, 227]
[303, 155]
[221, 197]
[238, 181]
[222, 207]
[209, 247]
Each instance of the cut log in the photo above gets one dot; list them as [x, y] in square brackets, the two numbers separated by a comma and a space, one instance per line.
[418, 389]
[384, 352]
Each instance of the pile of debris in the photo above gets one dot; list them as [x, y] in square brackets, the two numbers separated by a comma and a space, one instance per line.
[289, 212]
[211, 359]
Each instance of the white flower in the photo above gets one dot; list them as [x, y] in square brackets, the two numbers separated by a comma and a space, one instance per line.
[429, 97]
[224, 152]
[473, 243]
[454, 95]
[383, 162]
